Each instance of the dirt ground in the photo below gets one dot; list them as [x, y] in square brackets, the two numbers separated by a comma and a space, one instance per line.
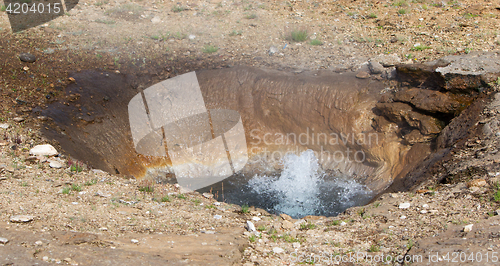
[94, 218]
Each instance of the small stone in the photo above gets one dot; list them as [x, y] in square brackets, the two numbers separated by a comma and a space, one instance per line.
[38, 243]
[255, 218]
[404, 205]
[217, 216]
[423, 211]
[375, 67]
[156, 20]
[4, 126]
[55, 164]
[26, 68]
[191, 37]
[250, 227]
[362, 75]
[477, 183]
[103, 194]
[45, 258]
[3, 240]
[273, 50]
[27, 57]
[286, 225]
[433, 211]
[208, 195]
[296, 245]
[278, 250]
[468, 228]
[217, 203]
[343, 223]
[43, 150]
[21, 218]
[402, 217]
[135, 241]
[103, 229]
[425, 206]
[18, 119]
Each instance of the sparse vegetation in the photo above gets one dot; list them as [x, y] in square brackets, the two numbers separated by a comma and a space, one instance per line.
[316, 42]
[210, 49]
[177, 9]
[401, 3]
[76, 187]
[297, 35]
[402, 11]
[147, 189]
[335, 222]
[181, 196]
[372, 15]
[245, 208]
[374, 248]
[66, 190]
[420, 47]
[235, 33]
[3, 8]
[91, 182]
[251, 16]
[165, 199]
[307, 226]
[496, 196]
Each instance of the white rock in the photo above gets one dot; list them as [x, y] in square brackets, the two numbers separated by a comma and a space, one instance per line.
[45, 258]
[208, 195]
[156, 20]
[135, 241]
[56, 164]
[273, 50]
[44, 150]
[217, 216]
[250, 227]
[425, 206]
[402, 217]
[296, 245]
[4, 126]
[343, 223]
[278, 250]
[468, 228]
[103, 229]
[423, 211]
[18, 119]
[98, 171]
[217, 203]
[38, 243]
[192, 37]
[3, 240]
[21, 218]
[404, 205]
[255, 218]
[103, 194]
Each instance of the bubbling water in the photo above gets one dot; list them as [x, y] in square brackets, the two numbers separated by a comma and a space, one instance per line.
[302, 188]
[297, 189]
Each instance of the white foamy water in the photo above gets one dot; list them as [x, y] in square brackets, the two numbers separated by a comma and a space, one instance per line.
[303, 189]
